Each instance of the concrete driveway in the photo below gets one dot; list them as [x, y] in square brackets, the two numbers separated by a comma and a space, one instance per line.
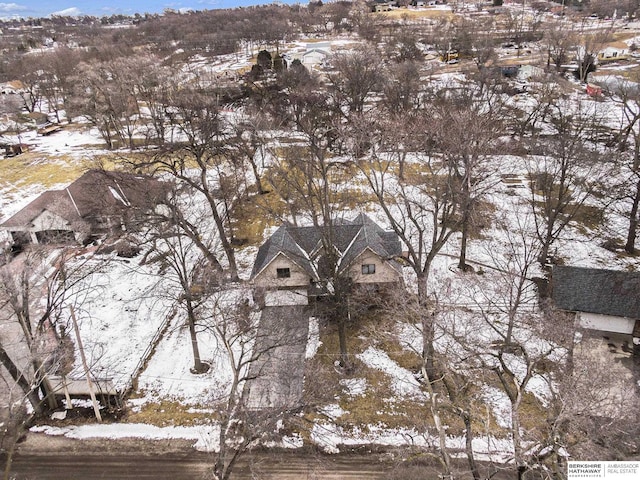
[279, 368]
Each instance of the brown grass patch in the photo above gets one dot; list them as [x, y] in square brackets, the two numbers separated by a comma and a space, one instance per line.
[168, 413]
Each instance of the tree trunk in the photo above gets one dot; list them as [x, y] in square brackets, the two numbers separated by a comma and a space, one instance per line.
[517, 440]
[462, 263]
[544, 253]
[226, 244]
[342, 338]
[17, 376]
[466, 217]
[469, 446]
[630, 246]
[41, 381]
[198, 366]
[256, 176]
[435, 414]
[427, 325]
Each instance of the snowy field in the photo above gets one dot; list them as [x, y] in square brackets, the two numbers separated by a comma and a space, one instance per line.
[124, 307]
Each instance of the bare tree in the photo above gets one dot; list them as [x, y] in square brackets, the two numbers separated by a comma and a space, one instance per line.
[244, 346]
[196, 158]
[565, 174]
[558, 42]
[188, 268]
[357, 74]
[530, 121]
[30, 72]
[56, 84]
[511, 342]
[108, 95]
[247, 146]
[423, 210]
[628, 95]
[401, 88]
[590, 43]
[452, 390]
[469, 129]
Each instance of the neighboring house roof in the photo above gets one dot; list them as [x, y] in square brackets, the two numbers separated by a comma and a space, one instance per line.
[12, 86]
[95, 194]
[592, 290]
[303, 245]
[616, 46]
[324, 46]
[316, 54]
[54, 201]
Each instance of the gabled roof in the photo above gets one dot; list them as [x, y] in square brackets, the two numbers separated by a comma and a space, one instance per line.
[281, 242]
[592, 290]
[55, 201]
[350, 238]
[96, 193]
[99, 192]
[370, 236]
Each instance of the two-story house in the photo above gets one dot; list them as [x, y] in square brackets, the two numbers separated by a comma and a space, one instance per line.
[295, 258]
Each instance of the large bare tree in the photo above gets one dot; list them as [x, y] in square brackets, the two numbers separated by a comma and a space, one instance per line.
[565, 172]
[245, 346]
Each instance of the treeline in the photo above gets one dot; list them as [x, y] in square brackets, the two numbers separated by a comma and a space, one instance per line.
[209, 32]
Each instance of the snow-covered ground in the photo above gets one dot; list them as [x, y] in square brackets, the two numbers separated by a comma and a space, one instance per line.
[119, 314]
[122, 307]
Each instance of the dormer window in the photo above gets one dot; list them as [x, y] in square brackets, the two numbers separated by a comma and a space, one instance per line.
[368, 268]
[283, 272]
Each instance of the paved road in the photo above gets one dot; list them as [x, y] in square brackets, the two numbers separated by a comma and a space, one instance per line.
[194, 467]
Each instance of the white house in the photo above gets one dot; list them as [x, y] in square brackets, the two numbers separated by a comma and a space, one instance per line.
[315, 54]
[613, 52]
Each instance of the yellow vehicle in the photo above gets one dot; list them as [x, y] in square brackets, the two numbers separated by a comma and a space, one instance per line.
[450, 57]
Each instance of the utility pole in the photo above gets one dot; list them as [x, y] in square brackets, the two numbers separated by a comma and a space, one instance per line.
[96, 409]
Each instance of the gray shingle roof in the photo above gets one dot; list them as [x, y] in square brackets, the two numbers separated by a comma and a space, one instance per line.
[96, 193]
[55, 201]
[606, 292]
[350, 238]
[282, 242]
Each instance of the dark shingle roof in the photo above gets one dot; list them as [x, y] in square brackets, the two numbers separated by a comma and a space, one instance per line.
[55, 201]
[95, 193]
[350, 238]
[606, 292]
[282, 242]
[369, 236]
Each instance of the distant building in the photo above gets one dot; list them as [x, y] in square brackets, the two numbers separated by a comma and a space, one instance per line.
[315, 54]
[13, 87]
[614, 52]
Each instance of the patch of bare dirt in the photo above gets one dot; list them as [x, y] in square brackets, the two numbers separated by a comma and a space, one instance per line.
[41, 444]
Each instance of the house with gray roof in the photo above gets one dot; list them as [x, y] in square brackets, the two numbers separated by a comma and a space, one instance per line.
[292, 258]
[604, 300]
[97, 203]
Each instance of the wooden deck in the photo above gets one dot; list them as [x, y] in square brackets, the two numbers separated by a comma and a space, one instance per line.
[78, 387]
